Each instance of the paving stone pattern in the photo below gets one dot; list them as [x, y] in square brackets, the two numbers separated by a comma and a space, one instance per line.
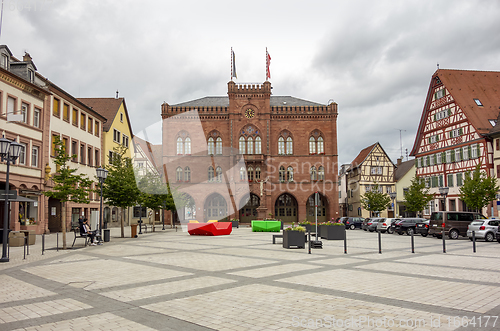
[168, 280]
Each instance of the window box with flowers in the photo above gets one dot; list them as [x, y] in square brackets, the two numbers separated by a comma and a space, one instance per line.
[294, 236]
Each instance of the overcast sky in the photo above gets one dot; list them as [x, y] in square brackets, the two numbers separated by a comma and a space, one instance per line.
[374, 58]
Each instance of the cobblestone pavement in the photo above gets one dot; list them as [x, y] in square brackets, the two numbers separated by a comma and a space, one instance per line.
[168, 280]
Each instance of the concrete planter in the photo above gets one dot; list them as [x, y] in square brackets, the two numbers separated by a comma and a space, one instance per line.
[294, 238]
[332, 232]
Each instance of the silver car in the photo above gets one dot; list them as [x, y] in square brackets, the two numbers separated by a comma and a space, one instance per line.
[385, 226]
[484, 229]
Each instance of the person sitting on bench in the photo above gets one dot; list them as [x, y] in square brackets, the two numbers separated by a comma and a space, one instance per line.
[85, 229]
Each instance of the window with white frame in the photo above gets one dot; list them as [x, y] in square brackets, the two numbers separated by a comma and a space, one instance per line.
[35, 151]
[24, 112]
[457, 155]
[281, 146]
[459, 179]
[211, 146]
[243, 174]
[242, 145]
[289, 146]
[22, 155]
[258, 144]
[249, 145]
[187, 146]
[218, 146]
[116, 136]
[36, 118]
[312, 145]
[289, 173]
[11, 104]
[438, 158]
[439, 94]
[321, 173]
[465, 153]
[441, 114]
[210, 174]
[250, 173]
[218, 174]
[321, 145]
[455, 133]
[448, 156]
[180, 146]
[313, 173]
[187, 174]
[474, 151]
[178, 174]
[125, 141]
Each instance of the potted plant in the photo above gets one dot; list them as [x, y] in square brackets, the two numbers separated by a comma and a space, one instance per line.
[294, 236]
[306, 224]
[333, 231]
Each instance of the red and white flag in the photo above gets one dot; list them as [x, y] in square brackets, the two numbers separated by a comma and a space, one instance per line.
[268, 63]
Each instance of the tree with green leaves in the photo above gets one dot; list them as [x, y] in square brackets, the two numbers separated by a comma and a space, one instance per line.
[478, 189]
[374, 200]
[68, 186]
[417, 197]
[120, 187]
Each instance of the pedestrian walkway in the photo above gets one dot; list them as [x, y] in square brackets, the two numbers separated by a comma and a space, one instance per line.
[168, 280]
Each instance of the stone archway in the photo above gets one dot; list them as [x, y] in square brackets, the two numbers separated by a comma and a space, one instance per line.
[215, 207]
[249, 211]
[286, 208]
[322, 208]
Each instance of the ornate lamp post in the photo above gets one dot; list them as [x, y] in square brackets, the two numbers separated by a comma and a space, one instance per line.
[393, 196]
[101, 174]
[444, 192]
[9, 152]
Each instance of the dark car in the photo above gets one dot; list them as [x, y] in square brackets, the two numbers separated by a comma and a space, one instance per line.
[455, 223]
[422, 228]
[407, 225]
[498, 234]
[353, 222]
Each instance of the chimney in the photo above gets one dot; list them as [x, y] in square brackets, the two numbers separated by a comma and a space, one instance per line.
[27, 57]
[400, 160]
[116, 94]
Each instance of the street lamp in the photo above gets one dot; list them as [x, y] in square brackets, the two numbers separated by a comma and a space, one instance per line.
[101, 175]
[9, 152]
[393, 196]
[444, 192]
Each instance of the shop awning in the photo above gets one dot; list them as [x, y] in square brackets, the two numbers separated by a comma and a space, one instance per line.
[21, 199]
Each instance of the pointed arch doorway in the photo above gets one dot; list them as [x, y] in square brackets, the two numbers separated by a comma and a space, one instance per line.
[286, 208]
[322, 208]
[249, 211]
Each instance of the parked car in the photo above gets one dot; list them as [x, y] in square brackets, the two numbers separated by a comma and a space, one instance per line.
[370, 224]
[407, 225]
[498, 234]
[455, 223]
[484, 229]
[353, 222]
[385, 226]
[422, 228]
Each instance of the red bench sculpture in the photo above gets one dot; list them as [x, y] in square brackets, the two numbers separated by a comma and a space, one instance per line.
[210, 229]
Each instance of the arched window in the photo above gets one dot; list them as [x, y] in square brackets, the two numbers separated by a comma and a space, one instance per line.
[312, 145]
[243, 173]
[321, 173]
[281, 146]
[257, 173]
[187, 174]
[321, 146]
[210, 174]
[218, 146]
[258, 142]
[178, 174]
[210, 146]
[289, 173]
[289, 146]
[187, 146]
[250, 173]
[313, 173]
[242, 145]
[250, 145]
[180, 145]
[282, 174]
[218, 173]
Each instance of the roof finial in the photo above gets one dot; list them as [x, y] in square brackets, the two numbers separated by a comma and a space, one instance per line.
[116, 94]
[438, 65]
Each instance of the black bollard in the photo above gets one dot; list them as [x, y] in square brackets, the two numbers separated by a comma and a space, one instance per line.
[25, 241]
[473, 241]
[345, 243]
[57, 242]
[379, 242]
[412, 243]
[43, 243]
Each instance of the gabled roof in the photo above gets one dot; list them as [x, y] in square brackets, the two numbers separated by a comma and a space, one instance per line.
[403, 168]
[362, 156]
[146, 148]
[465, 86]
[275, 101]
[107, 107]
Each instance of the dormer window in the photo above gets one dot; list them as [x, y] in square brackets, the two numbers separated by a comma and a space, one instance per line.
[4, 61]
[478, 102]
[31, 75]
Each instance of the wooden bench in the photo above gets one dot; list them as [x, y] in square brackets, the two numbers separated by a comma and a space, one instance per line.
[79, 235]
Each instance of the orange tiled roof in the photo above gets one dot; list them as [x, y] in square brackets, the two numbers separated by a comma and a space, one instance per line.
[362, 156]
[107, 107]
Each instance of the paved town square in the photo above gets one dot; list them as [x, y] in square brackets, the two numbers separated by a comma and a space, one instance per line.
[169, 280]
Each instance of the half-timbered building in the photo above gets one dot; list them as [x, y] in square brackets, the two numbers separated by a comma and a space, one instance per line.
[371, 167]
[452, 138]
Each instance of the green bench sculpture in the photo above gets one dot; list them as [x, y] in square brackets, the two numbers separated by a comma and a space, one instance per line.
[266, 226]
